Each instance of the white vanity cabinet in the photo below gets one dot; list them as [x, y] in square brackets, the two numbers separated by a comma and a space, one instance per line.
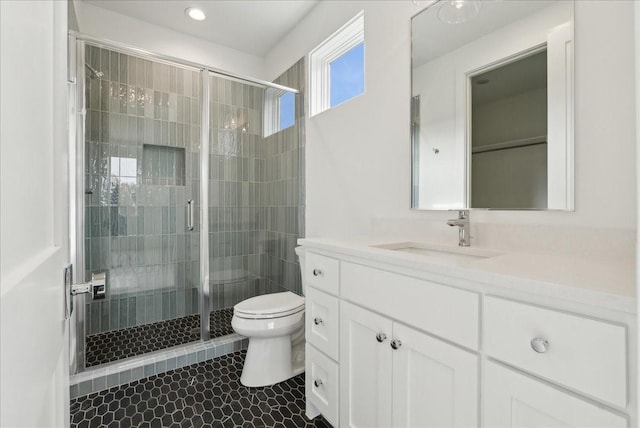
[513, 399]
[322, 286]
[395, 376]
[585, 354]
[402, 345]
[558, 348]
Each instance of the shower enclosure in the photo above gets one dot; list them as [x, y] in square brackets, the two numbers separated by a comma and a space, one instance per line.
[188, 195]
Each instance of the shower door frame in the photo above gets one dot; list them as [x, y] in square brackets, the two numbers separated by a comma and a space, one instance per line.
[77, 134]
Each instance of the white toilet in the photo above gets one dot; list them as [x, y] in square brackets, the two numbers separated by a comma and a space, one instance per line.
[274, 324]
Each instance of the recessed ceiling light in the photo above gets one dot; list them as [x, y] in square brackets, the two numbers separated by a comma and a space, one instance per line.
[195, 13]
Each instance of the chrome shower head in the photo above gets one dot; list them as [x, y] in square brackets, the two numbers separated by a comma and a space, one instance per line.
[94, 74]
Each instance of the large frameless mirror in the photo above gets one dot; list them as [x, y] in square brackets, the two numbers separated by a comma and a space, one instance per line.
[492, 105]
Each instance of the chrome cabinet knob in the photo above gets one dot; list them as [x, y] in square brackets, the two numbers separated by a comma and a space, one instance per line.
[317, 272]
[539, 345]
[381, 337]
[395, 344]
[318, 321]
[317, 383]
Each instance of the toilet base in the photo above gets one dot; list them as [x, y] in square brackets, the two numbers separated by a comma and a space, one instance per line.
[268, 361]
[297, 359]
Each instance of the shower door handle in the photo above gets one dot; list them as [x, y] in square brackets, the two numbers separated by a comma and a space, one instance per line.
[190, 219]
[96, 287]
[68, 283]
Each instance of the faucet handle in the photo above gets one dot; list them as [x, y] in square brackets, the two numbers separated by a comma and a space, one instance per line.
[462, 222]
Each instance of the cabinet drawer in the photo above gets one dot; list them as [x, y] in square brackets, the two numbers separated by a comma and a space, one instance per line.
[581, 353]
[322, 273]
[321, 314]
[321, 379]
[445, 311]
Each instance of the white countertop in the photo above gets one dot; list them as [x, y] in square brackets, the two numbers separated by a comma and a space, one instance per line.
[603, 284]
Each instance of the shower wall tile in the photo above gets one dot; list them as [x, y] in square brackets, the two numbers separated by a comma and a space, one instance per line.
[133, 226]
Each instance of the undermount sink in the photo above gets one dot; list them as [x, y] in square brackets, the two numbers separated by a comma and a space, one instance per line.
[439, 252]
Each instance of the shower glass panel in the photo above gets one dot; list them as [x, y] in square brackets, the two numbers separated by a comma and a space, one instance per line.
[255, 191]
[236, 217]
[142, 166]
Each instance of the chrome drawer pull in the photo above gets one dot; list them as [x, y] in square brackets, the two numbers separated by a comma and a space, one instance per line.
[395, 344]
[381, 337]
[317, 272]
[539, 345]
[318, 321]
[317, 383]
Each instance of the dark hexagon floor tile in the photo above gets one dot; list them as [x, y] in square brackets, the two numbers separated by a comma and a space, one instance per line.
[115, 345]
[207, 394]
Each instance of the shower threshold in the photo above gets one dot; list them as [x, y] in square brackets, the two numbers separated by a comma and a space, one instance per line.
[129, 342]
[121, 372]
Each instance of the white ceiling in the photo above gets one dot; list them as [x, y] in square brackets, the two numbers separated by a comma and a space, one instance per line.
[250, 26]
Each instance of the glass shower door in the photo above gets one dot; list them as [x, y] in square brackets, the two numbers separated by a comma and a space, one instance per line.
[142, 192]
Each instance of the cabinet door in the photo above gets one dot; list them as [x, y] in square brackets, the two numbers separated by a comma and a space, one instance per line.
[434, 384]
[515, 400]
[365, 368]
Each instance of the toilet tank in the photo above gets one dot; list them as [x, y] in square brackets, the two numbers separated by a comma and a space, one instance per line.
[300, 251]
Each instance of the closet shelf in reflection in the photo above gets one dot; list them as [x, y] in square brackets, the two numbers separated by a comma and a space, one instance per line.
[541, 139]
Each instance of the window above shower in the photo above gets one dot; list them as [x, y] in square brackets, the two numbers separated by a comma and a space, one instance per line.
[279, 110]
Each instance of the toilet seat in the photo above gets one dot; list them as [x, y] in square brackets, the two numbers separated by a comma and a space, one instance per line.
[268, 306]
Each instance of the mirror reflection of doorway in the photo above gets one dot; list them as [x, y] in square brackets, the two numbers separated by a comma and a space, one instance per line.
[509, 134]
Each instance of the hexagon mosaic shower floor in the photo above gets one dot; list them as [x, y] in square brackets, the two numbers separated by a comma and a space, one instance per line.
[127, 342]
[208, 394]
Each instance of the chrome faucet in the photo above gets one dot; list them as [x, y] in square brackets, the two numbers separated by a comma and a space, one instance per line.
[464, 239]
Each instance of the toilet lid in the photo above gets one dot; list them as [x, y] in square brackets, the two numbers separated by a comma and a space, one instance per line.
[270, 305]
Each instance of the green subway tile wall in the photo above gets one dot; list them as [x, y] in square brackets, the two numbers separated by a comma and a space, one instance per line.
[143, 165]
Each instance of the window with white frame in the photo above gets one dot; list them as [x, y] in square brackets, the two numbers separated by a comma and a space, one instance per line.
[336, 67]
[279, 110]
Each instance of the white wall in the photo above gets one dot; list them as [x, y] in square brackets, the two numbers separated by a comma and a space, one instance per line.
[106, 24]
[358, 154]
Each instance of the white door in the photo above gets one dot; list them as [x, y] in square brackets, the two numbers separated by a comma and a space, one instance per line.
[515, 400]
[434, 384]
[34, 218]
[365, 368]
